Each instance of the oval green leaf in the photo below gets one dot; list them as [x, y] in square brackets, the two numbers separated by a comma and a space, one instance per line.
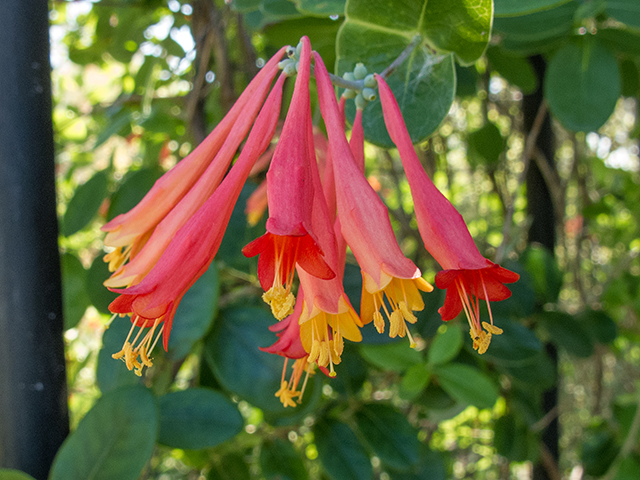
[446, 345]
[582, 85]
[467, 384]
[566, 332]
[389, 434]
[232, 353]
[340, 452]
[9, 474]
[197, 418]
[85, 203]
[114, 440]
[280, 461]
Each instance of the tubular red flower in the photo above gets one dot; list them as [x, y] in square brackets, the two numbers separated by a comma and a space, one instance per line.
[168, 190]
[290, 238]
[140, 264]
[367, 229]
[467, 276]
[155, 299]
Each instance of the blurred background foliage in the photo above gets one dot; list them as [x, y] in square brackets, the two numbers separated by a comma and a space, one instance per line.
[138, 83]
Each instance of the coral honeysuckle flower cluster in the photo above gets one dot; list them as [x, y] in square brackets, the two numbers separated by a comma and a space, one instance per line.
[319, 203]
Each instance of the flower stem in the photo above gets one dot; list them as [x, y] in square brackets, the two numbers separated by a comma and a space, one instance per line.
[358, 85]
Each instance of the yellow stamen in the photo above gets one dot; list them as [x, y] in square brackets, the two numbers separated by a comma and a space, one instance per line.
[492, 328]
[280, 300]
[286, 396]
[378, 322]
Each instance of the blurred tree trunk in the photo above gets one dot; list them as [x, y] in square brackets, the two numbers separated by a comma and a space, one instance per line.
[540, 210]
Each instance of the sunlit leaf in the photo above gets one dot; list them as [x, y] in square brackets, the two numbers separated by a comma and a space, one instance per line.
[74, 291]
[507, 8]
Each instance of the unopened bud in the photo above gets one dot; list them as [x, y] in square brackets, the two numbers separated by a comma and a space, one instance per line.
[360, 102]
[349, 77]
[299, 49]
[348, 93]
[360, 71]
[291, 51]
[290, 69]
[370, 81]
[369, 94]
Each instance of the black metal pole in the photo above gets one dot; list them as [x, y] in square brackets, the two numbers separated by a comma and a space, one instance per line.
[33, 407]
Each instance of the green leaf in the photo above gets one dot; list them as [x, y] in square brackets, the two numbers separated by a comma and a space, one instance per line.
[321, 8]
[446, 345]
[74, 294]
[459, 26]
[9, 474]
[280, 461]
[277, 10]
[99, 296]
[485, 144]
[515, 69]
[509, 8]
[630, 86]
[620, 40]
[431, 467]
[582, 85]
[133, 189]
[197, 418]
[352, 373]
[566, 332]
[396, 356]
[513, 439]
[85, 203]
[629, 468]
[517, 345]
[232, 352]
[114, 440]
[625, 11]
[389, 434]
[230, 467]
[600, 326]
[195, 313]
[414, 381]
[537, 372]
[375, 33]
[435, 398]
[544, 272]
[467, 384]
[110, 373]
[244, 6]
[599, 450]
[341, 454]
[534, 32]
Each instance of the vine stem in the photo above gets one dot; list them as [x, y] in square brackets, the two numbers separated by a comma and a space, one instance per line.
[358, 85]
